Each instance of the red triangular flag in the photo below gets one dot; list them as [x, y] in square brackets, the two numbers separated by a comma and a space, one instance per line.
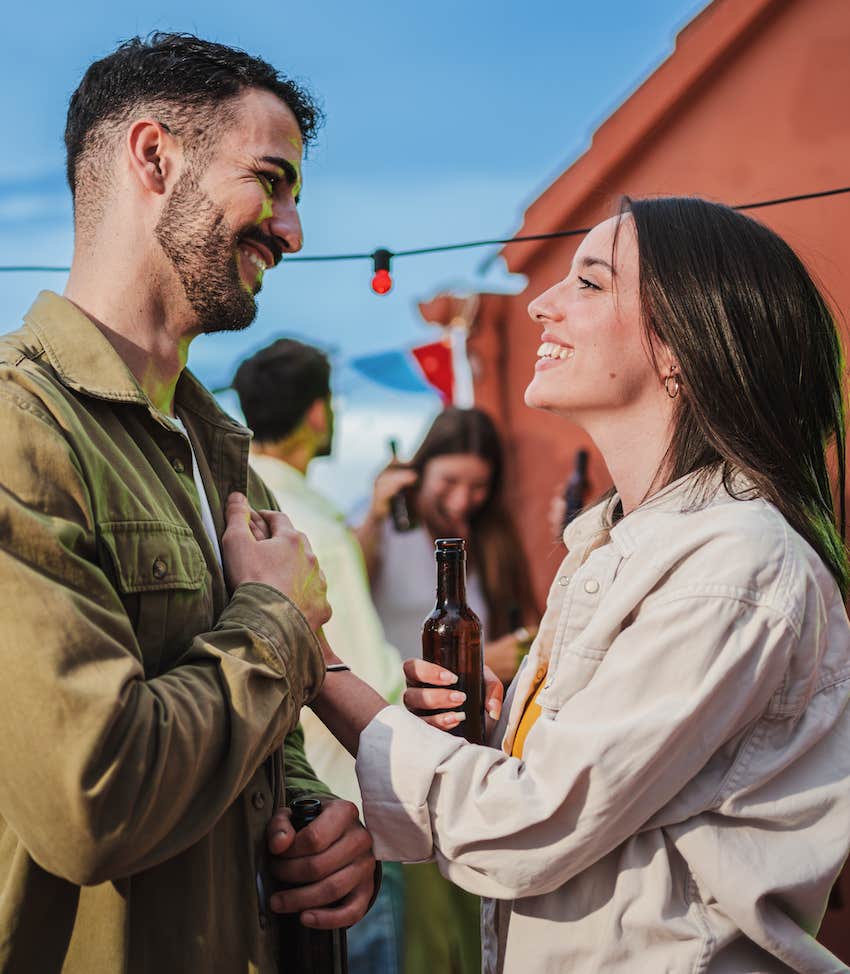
[435, 360]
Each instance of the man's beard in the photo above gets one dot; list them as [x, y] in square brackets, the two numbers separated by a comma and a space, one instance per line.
[201, 247]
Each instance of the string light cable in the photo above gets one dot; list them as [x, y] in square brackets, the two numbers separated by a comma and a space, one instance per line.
[382, 257]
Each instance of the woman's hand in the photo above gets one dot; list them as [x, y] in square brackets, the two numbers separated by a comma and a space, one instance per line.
[388, 483]
[429, 688]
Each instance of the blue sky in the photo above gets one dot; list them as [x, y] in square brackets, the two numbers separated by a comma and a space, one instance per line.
[444, 121]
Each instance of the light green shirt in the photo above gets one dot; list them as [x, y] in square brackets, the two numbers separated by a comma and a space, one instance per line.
[354, 630]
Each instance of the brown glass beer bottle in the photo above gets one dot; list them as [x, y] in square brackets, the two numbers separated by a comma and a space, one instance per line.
[451, 636]
[305, 948]
[403, 502]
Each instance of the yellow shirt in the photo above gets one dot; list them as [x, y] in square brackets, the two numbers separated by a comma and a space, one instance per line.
[530, 714]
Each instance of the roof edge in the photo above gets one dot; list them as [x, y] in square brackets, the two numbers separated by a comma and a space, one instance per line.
[713, 34]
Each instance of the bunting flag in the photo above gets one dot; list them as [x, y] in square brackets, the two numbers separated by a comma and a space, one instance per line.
[435, 360]
[395, 370]
[425, 368]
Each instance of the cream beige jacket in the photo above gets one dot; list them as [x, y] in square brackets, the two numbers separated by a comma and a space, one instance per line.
[683, 804]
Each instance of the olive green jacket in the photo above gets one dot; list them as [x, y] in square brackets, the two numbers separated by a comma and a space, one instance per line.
[143, 707]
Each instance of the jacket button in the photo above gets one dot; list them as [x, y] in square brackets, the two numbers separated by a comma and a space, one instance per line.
[159, 568]
[564, 580]
[591, 586]
[177, 464]
[258, 800]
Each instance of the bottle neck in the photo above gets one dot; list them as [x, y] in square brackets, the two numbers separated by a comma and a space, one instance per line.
[451, 580]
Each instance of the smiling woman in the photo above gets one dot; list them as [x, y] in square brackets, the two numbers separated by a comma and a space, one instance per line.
[666, 786]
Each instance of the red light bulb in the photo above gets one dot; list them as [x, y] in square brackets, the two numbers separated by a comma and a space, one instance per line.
[381, 281]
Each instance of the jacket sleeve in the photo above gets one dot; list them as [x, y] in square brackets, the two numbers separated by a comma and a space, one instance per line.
[102, 772]
[684, 678]
[301, 780]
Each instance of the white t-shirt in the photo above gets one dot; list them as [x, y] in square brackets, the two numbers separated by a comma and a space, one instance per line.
[206, 513]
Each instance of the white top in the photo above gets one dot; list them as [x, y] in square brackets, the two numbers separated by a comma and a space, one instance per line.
[206, 512]
[405, 589]
[683, 801]
[354, 630]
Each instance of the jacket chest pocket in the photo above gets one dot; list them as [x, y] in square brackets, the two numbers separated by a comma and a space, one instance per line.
[159, 571]
[575, 668]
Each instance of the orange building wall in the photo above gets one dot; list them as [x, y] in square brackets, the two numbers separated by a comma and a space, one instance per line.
[769, 119]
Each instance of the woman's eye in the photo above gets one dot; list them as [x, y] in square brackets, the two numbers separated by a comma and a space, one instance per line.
[584, 285]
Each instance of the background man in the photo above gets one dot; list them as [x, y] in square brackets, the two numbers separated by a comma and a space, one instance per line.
[285, 394]
[157, 645]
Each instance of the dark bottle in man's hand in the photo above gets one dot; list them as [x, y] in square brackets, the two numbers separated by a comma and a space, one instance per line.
[305, 949]
[402, 503]
[451, 636]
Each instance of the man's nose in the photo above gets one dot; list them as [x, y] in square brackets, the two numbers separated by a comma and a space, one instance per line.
[285, 225]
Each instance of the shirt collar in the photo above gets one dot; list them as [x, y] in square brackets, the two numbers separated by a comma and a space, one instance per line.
[700, 488]
[85, 361]
[285, 480]
[80, 354]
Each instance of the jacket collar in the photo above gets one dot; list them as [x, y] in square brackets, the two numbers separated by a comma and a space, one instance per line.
[700, 488]
[85, 361]
[79, 352]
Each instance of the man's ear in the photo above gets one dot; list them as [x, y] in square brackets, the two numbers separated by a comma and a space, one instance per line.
[317, 416]
[153, 154]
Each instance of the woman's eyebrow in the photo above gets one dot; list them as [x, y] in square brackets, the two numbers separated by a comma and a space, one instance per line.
[598, 262]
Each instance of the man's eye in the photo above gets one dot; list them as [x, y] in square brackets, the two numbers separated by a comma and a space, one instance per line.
[268, 181]
[584, 285]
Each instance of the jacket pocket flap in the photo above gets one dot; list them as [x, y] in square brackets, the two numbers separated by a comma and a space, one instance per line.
[151, 555]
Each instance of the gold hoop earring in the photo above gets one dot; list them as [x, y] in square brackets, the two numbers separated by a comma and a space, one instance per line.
[672, 380]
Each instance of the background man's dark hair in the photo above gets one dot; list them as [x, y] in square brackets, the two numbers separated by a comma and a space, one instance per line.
[185, 79]
[278, 384]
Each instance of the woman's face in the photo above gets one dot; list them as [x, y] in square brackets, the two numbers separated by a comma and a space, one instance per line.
[452, 488]
[593, 361]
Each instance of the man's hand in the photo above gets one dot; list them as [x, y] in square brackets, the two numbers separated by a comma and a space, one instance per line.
[275, 555]
[429, 688]
[329, 864]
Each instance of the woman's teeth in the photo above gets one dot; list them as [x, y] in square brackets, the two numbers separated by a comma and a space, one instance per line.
[551, 350]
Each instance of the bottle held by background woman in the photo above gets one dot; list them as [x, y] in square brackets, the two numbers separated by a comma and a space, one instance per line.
[402, 503]
[451, 636]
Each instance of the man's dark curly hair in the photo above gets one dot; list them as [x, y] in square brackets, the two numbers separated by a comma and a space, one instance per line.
[185, 79]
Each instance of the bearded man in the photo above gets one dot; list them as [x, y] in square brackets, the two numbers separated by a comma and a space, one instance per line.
[159, 639]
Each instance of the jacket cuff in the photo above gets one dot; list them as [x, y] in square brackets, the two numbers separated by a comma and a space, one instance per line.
[288, 644]
[397, 759]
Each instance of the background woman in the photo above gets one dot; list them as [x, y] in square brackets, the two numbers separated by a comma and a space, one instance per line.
[668, 785]
[456, 473]
[457, 476]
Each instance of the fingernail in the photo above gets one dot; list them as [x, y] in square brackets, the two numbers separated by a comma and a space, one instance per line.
[456, 696]
[455, 717]
[308, 918]
[446, 677]
[494, 710]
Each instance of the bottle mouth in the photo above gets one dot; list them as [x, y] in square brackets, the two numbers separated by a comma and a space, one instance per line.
[450, 545]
